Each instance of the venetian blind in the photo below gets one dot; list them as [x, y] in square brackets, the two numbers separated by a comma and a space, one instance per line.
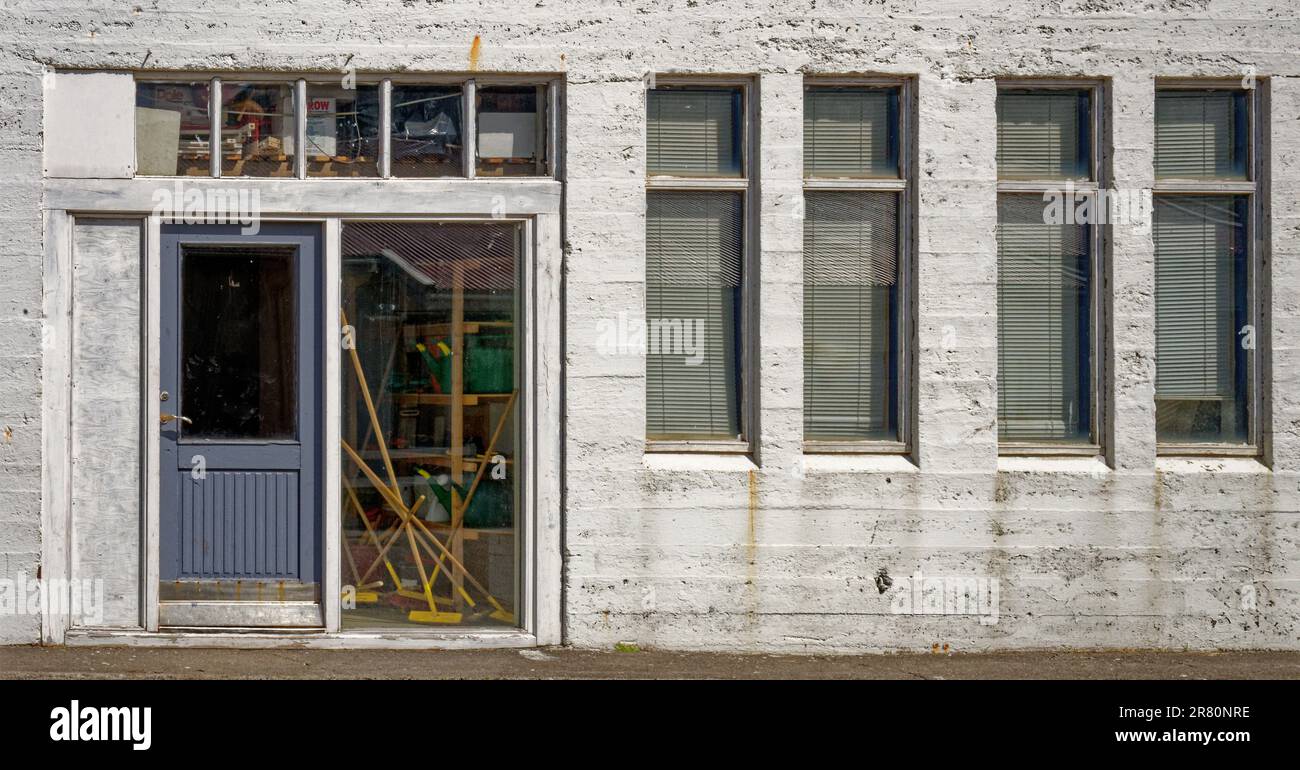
[693, 133]
[850, 132]
[1043, 135]
[694, 255]
[1198, 135]
[1043, 277]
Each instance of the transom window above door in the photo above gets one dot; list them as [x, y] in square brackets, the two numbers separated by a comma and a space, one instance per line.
[346, 126]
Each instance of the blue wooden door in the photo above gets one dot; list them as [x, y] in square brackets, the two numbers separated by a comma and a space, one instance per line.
[240, 505]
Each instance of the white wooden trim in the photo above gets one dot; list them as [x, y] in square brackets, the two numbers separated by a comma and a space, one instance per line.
[300, 129]
[417, 639]
[214, 127]
[547, 419]
[56, 410]
[469, 123]
[331, 577]
[151, 276]
[318, 196]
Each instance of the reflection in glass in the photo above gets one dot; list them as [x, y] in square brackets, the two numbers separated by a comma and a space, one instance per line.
[1202, 319]
[342, 130]
[426, 131]
[238, 356]
[511, 131]
[257, 129]
[171, 129]
[429, 424]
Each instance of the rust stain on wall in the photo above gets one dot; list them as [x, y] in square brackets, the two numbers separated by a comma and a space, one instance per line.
[475, 49]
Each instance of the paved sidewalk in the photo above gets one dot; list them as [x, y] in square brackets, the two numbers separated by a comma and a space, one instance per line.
[563, 663]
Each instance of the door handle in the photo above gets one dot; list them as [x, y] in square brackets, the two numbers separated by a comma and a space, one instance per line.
[166, 418]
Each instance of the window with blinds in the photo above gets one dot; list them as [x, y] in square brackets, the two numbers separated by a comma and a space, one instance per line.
[694, 132]
[1045, 268]
[850, 305]
[1044, 134]
[1201, 134]
[695, 266]
[850, 132]
[1201, 303]
[1043, 325]
[694, 257]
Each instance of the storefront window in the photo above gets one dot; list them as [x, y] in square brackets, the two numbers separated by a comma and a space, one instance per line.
[426, 131]
[172, 129]
[257, 129]
[342, 130]
[430, 424]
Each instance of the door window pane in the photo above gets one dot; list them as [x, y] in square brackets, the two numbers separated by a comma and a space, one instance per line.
[511, 130]
[1044, 134]
[431, 473]
[342, 130]
[850, 132]
[1201, 135]
[172, 129]
[427, 139]
[1044, 371]
[1202, 315]
[694, 253]
[238, 342]
[257, 129]
[694, 132]
[850, 295]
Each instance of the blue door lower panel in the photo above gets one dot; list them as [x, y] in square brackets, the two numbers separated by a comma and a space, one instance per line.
[240, 524]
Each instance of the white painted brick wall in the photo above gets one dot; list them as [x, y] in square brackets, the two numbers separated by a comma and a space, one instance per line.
[712, 553]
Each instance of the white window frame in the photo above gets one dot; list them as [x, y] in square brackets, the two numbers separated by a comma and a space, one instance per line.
[905, 187]
[1098, 260]
[1254, 192]
[301, 82]
[745, 186]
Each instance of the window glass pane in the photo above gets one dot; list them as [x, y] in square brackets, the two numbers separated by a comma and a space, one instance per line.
[1201, 134]
[172, 129]
[850, 132]
[427, 138]
[694, 132]
[432, 309]
[1044, 277]
[850, 305]
[1202, 290]
[257, 129]
[1044, 134]
[342, 130]
[238, 342]
[511, 129]
[694, 254]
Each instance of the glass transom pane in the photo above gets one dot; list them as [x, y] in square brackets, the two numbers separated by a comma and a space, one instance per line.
[1201, 135]
[695, 132]
[850, 132]
[1044, 135]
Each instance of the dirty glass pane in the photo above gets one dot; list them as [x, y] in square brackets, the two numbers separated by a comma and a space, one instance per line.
[694, 132]
[172, 129]
[1204, 332]
[850, 306]
[1044, 330]
[511, 131]
[850, 132]
[257, 129]
[238, 350]
[427, 137]
[1044, 134]
[342, 130]
[430, 475]
[1201, 135]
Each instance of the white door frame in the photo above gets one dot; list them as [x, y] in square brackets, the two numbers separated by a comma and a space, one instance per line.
[534, 202]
